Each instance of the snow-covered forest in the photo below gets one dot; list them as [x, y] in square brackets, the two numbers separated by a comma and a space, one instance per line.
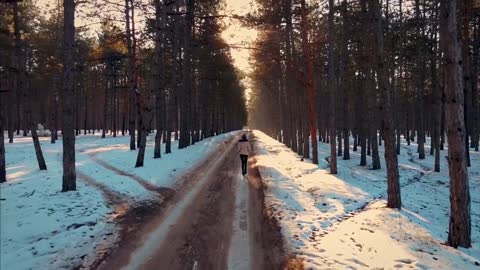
[124, 126]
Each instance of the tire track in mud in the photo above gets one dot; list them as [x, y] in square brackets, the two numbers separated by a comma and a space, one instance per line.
[164, 192]
[112, 197]
[126, 214]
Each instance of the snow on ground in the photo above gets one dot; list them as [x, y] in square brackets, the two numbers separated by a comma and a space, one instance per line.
[341, 222]
[171, 165]
[43, 228]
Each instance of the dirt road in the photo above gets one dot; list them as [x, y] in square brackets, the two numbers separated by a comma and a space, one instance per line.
[215, 220]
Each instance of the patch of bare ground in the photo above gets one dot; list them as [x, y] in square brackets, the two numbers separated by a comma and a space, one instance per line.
[128, 216]
[201, 236]
[293, 263]
[141, 219]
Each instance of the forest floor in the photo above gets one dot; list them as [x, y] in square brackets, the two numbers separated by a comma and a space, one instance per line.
[341, 221]
[43, 227]
[214, 221]
[192, 209]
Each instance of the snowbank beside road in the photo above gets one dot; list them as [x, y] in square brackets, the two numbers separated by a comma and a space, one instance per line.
[340, 221]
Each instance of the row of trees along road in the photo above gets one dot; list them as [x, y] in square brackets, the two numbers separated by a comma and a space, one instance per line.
[175, 75]
[380, 71]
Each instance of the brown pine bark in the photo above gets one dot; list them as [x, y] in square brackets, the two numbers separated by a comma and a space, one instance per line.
[3, 173]
[467, 78]
[131, 77]
[105, 109]
[56, 78]
[394, 197]
[363, 112]
[331, 87]
[20, 81]
[346, 87]
[309, 87]
[372, 119]
[142, 131]
[158, 80]
[459, 233]
[85, 111]
[186, 98]
[135, 74]
[114, 102]
[69, 173]
[172, 114]
[437, 90]
[475, 86]
[290, 134]
[420, 70]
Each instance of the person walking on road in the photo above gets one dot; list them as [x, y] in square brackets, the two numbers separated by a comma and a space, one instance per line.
[244, 149]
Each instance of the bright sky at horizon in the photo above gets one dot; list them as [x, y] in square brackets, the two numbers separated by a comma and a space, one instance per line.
[240, 37]
[236, 35]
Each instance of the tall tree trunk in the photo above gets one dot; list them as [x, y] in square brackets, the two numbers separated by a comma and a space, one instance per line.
[339, 141]
[159, 79]
[437, 92]
[364, 86]
[56, 76]
[346, 77]
[475, 85]
[77, 107]
[467, 79]
[16, 56]
[131, 77]
[114, 103]
[186, 100]
[69, 173]
[420, 69]
[3, 172]
[85, 112]
[394, 198]
[54, 109]
[309, 85]
[20, 81]
[105, 109]
[459, 233]
[372, 106]
[331, 87]
[142, 131]
[289, 91]
[139, 104]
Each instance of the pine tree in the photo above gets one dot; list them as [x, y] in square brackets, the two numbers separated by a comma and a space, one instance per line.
[69, 172]
[459, 233]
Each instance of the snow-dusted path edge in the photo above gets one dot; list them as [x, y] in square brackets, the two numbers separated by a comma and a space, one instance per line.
[341, 222]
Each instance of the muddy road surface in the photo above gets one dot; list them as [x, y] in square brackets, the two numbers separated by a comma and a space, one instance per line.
[214, 221]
